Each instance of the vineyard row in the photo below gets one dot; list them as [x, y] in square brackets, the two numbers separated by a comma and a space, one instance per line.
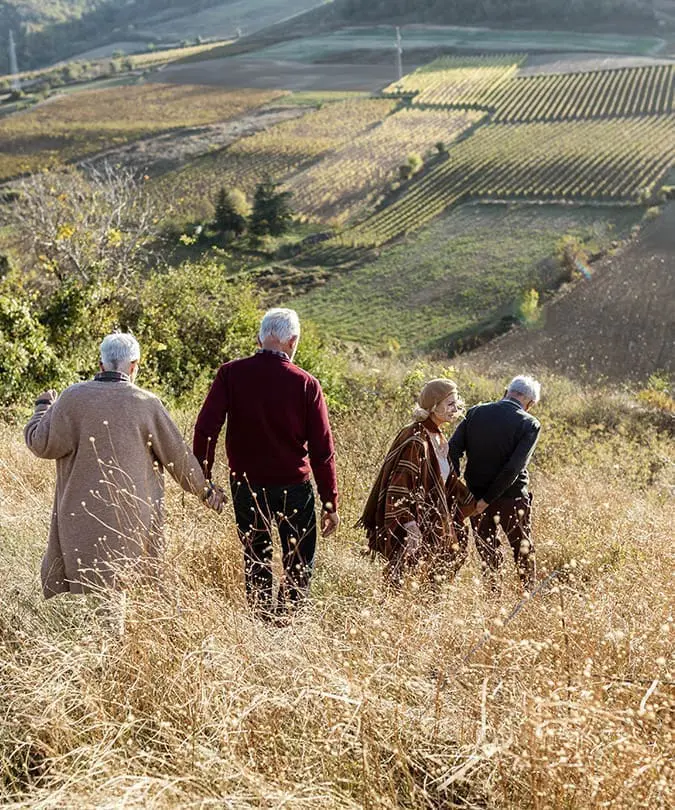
[600, 160]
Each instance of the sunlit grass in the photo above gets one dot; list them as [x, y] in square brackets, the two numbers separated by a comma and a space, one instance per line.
[419, 700]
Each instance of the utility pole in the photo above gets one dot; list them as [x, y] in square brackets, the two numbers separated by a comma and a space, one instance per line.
[13, 65]
[399, 55]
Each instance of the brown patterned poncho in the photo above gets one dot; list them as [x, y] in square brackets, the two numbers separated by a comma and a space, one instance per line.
[409, 487]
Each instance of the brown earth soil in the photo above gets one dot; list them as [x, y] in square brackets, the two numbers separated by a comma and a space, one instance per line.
[619, 325]
[166, 152]
[272, 74]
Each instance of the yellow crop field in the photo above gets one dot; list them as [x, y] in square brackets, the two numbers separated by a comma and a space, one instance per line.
[75, 126]
[339, 186]
[452, 80]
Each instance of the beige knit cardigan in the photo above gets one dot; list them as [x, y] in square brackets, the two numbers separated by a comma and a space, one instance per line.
[112, 442]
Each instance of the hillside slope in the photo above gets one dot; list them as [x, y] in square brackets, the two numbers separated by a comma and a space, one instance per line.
[620, 324]
[49, 30]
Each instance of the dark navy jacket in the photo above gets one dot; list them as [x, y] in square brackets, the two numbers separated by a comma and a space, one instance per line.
[498, 439]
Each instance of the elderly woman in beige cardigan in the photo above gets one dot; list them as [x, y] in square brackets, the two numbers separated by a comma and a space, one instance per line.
[112, 442]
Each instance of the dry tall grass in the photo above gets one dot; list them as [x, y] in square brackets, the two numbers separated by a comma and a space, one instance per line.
[418, 700]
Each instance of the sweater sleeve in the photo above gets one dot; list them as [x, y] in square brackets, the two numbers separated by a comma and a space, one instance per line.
[46, 434]
[210, 422]
[170, 449]
[518, 461]
[320, 446]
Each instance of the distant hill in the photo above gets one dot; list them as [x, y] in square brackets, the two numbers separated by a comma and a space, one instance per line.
[50, 30]
[612, 13]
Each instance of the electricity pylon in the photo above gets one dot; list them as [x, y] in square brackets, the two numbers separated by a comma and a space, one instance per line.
[13, 65]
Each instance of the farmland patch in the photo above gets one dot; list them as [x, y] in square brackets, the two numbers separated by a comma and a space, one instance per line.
[459, 275]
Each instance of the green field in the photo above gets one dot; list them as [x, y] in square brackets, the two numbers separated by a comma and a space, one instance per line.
[381, 38]
[463, 273]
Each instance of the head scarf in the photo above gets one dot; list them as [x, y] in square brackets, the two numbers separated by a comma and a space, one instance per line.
[434, 391]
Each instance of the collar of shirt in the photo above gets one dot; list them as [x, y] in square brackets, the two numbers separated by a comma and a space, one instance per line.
[274, 352]
[112, 376]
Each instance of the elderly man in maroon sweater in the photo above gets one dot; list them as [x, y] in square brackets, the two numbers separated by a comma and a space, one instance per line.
[277, 431]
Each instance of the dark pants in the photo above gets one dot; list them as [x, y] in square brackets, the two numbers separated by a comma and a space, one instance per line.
[256, 509]
[514, 515]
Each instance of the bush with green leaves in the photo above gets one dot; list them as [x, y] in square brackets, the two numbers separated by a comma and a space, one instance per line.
[189, 320]
[27, 362]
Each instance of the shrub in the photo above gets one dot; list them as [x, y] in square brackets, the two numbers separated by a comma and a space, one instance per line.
[529, 306]
[232, 211]
[188, 321]
[415, 162]
[27, 362]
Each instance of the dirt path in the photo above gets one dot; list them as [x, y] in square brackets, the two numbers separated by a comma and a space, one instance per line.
[168, 151]
[619, 325]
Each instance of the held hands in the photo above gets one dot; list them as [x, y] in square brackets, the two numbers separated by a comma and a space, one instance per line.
[329, 523]
[214, 497]
[481, 506]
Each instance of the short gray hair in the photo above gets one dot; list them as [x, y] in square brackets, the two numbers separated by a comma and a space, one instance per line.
[279, 323]
[118, 351]
[526, 387]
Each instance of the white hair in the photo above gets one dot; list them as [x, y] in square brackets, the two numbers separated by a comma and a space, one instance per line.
[526, 387]
[119, 351]
[279, 323]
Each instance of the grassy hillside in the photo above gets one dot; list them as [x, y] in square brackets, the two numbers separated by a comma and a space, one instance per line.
[623, 13]
[426, 699]
[457, 277]
[50, 30]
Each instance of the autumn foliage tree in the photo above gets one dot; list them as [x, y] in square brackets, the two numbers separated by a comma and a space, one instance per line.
[78, 226]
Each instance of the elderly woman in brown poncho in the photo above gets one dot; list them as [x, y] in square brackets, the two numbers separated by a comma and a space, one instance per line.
[415, 510]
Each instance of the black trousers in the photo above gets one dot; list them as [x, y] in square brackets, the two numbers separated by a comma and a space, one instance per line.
[256, 510]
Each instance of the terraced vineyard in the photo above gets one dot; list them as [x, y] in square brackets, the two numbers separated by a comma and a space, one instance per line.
[339, 186]
[601, 94]
[276, 152]
[458, 81]
[613, 160]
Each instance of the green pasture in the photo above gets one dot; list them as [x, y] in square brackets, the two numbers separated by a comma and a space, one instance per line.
[347, 40]
[458, 276]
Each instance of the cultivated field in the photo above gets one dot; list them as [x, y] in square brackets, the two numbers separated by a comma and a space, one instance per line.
[73, 127]
[340, 186]
[607, 160]
[431, 698]
[619, 325]
[599, 94]
[351, 41]
[462, 273]
[457, 81]
[276, 152]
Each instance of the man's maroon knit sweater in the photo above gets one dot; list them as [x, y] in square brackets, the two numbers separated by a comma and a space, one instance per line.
[277, 424]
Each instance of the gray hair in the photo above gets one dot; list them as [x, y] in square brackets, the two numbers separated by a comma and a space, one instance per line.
[525, 386]
[279, 323]
[119, 351]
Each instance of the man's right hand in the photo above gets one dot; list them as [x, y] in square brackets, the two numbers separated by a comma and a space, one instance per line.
[481, 506]
[329, 523]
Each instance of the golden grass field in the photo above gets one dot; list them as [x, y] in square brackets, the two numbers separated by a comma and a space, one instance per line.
[424, 699]
[74, 126]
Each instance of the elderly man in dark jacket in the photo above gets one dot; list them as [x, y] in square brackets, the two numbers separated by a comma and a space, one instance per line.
[498, 439]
